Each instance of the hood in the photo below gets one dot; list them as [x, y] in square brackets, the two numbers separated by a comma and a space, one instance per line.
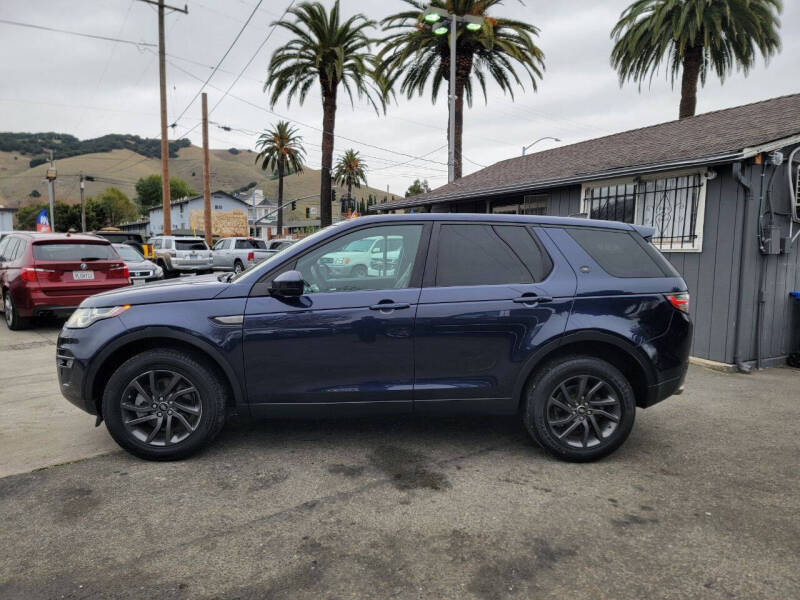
[183, 289]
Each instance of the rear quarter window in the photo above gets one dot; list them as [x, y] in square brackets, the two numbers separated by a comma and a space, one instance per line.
[622, 253]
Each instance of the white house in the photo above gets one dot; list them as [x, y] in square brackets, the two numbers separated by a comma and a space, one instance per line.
[7, 218]
[181, 209]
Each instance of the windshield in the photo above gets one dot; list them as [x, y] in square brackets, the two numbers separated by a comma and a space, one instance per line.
[128, 253]
[190, 245]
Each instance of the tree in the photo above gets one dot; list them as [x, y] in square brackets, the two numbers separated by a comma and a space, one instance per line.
[35, 194]
[282, 151]
[693, 37]
[415, 55]
[115, 207]
[350, 172]
[420, 186]
[329, 51]
[148, 190]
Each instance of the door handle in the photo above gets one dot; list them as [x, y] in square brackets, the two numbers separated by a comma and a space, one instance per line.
[532, 299]
[387, 306]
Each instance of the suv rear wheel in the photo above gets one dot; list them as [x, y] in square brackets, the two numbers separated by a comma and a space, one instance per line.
[13, 320]
[164, 404]
[579, 408]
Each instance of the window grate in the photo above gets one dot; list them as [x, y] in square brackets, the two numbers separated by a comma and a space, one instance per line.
[669, 205]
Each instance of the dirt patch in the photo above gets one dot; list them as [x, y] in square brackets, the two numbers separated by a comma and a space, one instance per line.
[408, 470]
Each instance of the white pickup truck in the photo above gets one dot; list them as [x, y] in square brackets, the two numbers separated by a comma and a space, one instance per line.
[366, 257]
[237, 253]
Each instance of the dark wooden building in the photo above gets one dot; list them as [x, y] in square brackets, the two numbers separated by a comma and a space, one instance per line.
[720, 189]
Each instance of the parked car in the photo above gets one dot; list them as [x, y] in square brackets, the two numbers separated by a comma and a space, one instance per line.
[51, 273]
[179, 254]
[238, 253]
[571, 323]
[277, 245]
[141, 269]
[362, 257]
[134, 240]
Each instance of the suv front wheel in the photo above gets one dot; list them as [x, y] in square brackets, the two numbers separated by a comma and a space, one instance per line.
[579, 408]
[164, 404]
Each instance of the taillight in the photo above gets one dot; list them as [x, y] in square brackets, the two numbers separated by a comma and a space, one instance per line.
[31, 274]
[679, 301]
[122, 272]
[251, 256]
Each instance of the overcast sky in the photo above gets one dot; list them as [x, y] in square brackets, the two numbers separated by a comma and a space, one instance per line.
[89, 87]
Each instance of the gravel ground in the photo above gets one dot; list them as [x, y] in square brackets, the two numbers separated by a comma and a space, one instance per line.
[703, 501]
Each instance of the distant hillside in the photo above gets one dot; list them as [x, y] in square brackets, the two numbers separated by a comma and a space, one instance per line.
[36, 145]
[122, 167]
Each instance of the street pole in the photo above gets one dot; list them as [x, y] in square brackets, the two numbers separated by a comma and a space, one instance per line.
[83, 207]
[451, 152]
[51, 192]
[206, 173]
[162, 82]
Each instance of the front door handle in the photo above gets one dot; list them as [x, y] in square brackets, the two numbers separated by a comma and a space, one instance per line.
[388, 305]
[531, 298]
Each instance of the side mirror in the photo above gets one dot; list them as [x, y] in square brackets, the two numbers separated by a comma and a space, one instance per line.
[376, 250]
[288, 285]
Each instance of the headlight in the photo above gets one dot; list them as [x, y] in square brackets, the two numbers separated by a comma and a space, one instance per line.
[83, 317]
[338, 261]
[159, 272]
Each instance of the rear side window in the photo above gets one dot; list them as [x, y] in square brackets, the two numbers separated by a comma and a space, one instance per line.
[477, 255]
[11, 250]
[190, 245]
[73, 252]
[521, 241]
[621, 254]
[21, 246]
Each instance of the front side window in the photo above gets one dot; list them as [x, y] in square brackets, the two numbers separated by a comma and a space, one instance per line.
[670, 205]
[485, 255]
[349, 263]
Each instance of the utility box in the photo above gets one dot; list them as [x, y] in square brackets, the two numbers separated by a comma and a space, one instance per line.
[794, 355]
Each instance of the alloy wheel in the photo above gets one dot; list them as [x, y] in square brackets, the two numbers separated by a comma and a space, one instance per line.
[583, 411]
[8, 308]
[161, 408]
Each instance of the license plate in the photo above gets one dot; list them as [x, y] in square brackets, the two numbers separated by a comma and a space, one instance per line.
[82, 275]
[138, 281]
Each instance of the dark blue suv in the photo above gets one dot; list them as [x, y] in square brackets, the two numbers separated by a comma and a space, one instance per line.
[571, 323]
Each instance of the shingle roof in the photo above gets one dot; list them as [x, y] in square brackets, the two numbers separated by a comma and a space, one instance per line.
[715, 136]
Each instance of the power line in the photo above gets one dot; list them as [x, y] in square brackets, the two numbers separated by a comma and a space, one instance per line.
[80, 34]
[221, 60]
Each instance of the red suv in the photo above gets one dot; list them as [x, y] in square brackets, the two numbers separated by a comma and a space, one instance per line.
[50, 273]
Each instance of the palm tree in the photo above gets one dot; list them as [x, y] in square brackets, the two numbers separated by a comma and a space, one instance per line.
[693, 37]
[330, 51]
[350, 171]
[414, 55]
[282, 152]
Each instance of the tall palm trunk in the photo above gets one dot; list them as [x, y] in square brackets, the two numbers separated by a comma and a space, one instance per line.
[350, 195]
[280, 199]
[328, 125]
[692, 62]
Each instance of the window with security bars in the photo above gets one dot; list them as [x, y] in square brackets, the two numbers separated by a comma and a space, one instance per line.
[670, 205]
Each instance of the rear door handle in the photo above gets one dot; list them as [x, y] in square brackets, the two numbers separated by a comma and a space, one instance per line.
[387, 306]
[532, 299]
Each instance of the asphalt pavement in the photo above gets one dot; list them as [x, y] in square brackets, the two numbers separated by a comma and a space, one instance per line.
[703, 501]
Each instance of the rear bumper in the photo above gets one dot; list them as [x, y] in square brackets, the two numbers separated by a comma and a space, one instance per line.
[194, 268]
[32, 301]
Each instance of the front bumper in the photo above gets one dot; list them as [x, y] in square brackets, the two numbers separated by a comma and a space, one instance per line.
[76, 349]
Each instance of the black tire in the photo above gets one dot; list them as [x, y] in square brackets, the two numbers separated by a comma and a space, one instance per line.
[14, 321]
[210, 398]
[359, 271]
[568, 383]
[238, 267]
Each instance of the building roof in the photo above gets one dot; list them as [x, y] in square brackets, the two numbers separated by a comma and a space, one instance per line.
[715, 137]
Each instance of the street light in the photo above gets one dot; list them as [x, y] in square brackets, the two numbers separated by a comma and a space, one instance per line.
[436, 18]
[524, 148]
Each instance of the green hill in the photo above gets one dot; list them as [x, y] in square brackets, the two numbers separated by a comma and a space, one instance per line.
[134, 158]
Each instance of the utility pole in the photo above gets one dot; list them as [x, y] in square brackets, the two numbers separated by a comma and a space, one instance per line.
[83, 207]
[51, 193]
[206, 174]
[162, 81]
[451, 132]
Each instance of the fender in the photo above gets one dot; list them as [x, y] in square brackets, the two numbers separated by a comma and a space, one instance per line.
[169, 333]
[589, 335]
